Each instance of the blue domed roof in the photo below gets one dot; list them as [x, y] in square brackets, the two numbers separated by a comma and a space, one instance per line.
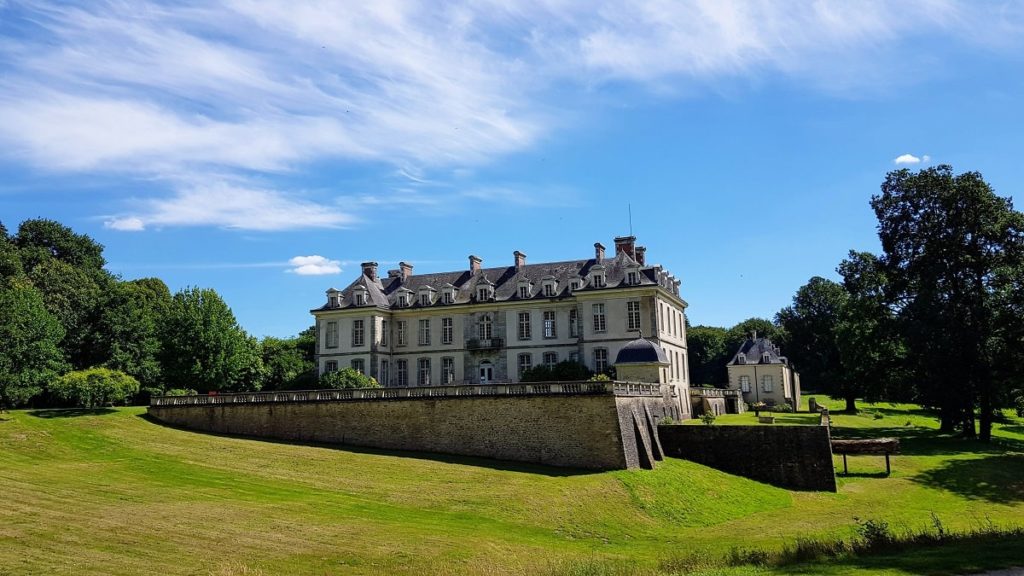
[641, 351]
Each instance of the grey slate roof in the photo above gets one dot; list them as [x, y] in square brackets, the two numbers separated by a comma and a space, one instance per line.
[641, 351]
[383, 291]
[754, 351]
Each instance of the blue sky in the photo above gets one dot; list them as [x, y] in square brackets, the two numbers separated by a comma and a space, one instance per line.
[265, 148]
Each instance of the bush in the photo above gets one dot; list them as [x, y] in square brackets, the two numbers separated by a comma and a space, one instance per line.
[785, 407]
[566, 371]
[146, 394]
[347, 378]
[94, 387]
[181, 392]
[600, 378]
[1018, 404]
[666, 421]
[708, 418]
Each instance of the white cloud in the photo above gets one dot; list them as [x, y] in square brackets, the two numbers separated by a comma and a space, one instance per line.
[314, 266]
[129, 224]
[911, 159]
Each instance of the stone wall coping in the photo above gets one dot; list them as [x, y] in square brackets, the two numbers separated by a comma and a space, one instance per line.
[714, 392]
[614, 388]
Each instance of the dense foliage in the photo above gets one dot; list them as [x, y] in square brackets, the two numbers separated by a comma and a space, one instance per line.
[94, 387]
[565, 371]
[347, 378]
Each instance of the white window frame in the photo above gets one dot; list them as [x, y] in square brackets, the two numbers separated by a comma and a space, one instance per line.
[423, 371]
[423, 332]
[331, 366]
[402, 337]
[550, 359]
[525, 363]
[331, 336]
[358, 333]
[745, 383]
[383, 332]
[447, 330]
[600, 360]
[574, 323]
[447, 370]
[600, 321]
[485, 327]
[359, 365]
[402, 372]
[384, 373]
[767, 383]
[550, 324]
[633, 315]
[525, 326]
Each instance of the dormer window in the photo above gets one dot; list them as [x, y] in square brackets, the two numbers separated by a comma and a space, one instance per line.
[741, 358]
[403, 300]
[425, 299]
[597, 279]
[766, 358]
[632, 277]
[333, 298]
[359, 296]
[525, 290]
[426, 295]
[548, 286]
[574, 285]
[485, 293]
[448, 297]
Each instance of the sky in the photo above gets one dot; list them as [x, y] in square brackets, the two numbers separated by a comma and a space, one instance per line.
[266, 148]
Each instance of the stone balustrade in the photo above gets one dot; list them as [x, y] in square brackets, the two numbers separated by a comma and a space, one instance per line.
[714, 392]
[522, 389]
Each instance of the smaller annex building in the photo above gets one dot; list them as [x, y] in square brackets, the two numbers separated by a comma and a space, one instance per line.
[760, 373]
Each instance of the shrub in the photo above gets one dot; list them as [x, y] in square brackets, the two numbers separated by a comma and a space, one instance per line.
[1018, 404]
[565, 371]
[785, 407]
[600, 378]
[347, 378]
[666, 421]
[708, 418]
[94, 387]
[181, 392]
[757, 407]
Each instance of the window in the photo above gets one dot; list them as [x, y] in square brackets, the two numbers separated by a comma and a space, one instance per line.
[425, 299]
[403, 300]
[524, 325]
[574, 329]
[766, 383]
[525, 363]
[357, 333]
[484, 327]
[384, 373]
[447, 331]
[484, 293]
[447, 370]
[360, 298]
[745, 383]
[402, 367]
[633, 315]
[549, 324]
[359, 365]
[449, 297]
[766, 358]
[549, 289]
[599, 321]
[383, 332]
[632, 278]
[524, 291]
[333, 299]
[550, 359]
[423, 375]
[331, 366]
[599, 280]
[574, 357]
[424, 332]
[401, 332]
[574, 285]
[332, 335]
[600, 360]
[741, 358]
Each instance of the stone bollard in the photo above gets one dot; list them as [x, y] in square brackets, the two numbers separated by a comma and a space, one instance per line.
[812, 405]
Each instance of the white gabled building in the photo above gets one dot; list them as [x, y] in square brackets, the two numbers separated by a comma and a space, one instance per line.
[488, 325]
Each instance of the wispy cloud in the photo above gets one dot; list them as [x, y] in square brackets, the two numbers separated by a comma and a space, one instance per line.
[314, 266]
[911, 159]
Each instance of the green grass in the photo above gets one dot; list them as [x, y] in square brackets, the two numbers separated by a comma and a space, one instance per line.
[109, 492]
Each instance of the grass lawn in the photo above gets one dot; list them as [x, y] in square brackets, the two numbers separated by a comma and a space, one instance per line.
[110, 492]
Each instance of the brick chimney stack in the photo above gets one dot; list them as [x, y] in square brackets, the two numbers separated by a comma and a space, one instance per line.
[474, 264]
[599, 252]
[641, 252]
[625, 244]
[370, 270]
[520, 259]
[406, 270]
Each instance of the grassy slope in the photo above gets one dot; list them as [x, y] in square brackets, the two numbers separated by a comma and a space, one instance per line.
[112, 493]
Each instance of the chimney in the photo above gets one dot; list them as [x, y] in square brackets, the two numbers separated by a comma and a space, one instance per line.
[625, 244]
[474, 264]
[599, 252]
[753, 335]
[370, 270]
[640, 252]
[520, 259]
[406, 270]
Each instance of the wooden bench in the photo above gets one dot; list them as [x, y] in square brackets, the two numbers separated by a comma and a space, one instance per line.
[879, 446]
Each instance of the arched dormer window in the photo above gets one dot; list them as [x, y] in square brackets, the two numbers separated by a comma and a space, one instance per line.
[549, 286]
[632, 275]
[404, 298]
[359, 296]
[524, 288]
[597, 277]
[426, 296]
[485, 292]
[333, 298]
[448, 294]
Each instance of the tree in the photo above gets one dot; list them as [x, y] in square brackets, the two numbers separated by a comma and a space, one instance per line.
[347, 378]
[947, 240]
[73, 296]
[287, 366]
[29, 355]
[55, 240]
[565, 371]
[202, 346]
[127, 334]
[811, 323]
[94, 387]
[708, 354]
[739, 333]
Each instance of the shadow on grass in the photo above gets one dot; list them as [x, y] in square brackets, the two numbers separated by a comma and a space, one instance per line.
[998, 478]
[840, 474]
[916, 441]
[70, 412]
[502, 465]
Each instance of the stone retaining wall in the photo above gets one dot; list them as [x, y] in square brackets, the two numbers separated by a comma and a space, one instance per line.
[797, 457]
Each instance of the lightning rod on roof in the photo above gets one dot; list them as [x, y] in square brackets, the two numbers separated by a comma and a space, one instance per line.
[630, 208]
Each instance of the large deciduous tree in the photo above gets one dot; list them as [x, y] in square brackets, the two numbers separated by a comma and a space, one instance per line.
[810, 324]
[29, 344]
[950, 243]
[707, 353]
[128, 335]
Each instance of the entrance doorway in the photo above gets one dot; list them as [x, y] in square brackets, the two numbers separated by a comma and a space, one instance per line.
[486, 372]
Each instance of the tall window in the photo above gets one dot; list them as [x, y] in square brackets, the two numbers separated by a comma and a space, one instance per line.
[574, 357]
[403, 300]
[359, 365]
[447, 370]
[550, 359]
[633, 314]
[425, 299]
[449, 297]
[402, 368]
[549, 289]
[549, 324]
[525, 363]
[632, 278]
[360, 298]
[384, 373]
[483, 293]
[524, 325]
[745, 383]
[331, 339]
[524, 291]
[484, 327]
[401, 332]
[574, 324]
[600, 360]
[446, 331]
[357, 333]
[424, 332]
[331, 366]
[423, 375]
[599, 280]
[383, 332]
[599, 320]
[766, 383]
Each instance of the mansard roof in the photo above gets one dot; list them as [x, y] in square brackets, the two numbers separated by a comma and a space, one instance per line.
[505, 280]
[758, 351]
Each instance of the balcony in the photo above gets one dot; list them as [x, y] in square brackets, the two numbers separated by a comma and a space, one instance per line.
[485, 343]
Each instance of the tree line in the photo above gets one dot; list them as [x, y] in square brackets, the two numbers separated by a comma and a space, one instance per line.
[936, 318]
[72, 332]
